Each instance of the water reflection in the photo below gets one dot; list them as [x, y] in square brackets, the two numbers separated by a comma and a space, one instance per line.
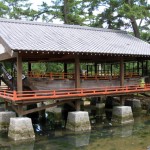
[58, 133]
[103, 136]
[23, 145]
[79, 140]
[123, 131]
[8, 144]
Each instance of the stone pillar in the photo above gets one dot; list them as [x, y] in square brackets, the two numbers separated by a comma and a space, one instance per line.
[21, 129]
[78, 121]
[122, 115]
[5, 119]
[135, 105]
[19, 72]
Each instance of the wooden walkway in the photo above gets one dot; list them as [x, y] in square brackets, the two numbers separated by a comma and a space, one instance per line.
[64, 94]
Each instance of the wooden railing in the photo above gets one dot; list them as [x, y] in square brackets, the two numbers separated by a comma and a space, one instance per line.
[63, 76]
[71, 93]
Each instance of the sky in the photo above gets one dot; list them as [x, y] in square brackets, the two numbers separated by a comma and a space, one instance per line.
[38, 2]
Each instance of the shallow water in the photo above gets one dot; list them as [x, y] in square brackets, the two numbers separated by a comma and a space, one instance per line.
[102, 137]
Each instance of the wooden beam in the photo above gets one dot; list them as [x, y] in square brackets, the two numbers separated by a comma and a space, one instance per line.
[19, 72]
[77, 72]
[44, 107]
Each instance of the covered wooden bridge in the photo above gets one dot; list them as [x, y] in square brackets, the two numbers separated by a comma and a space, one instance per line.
[107, 54]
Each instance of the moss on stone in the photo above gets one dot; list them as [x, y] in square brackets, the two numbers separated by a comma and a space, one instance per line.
[118, 120]
[80, 126]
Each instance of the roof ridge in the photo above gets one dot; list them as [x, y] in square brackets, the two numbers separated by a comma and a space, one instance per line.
[60, 25]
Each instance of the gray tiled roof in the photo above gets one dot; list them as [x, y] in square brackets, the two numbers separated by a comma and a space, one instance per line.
[23, 35]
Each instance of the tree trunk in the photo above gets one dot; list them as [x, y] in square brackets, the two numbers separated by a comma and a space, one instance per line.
[133, 21]
[135, 27]
[65, 11]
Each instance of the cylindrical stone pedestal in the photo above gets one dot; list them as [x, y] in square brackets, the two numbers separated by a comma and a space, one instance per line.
[21, 129]
[135, 105]
[5, 119]
[122, 115]
[78, 121]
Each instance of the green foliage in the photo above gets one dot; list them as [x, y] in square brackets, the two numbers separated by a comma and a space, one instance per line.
[139, 12]
[16, 9]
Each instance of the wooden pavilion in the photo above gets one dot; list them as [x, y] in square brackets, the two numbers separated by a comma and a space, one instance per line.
[23, 41]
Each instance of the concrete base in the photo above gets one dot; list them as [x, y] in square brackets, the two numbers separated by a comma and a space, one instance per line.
[5, 119]
[122, 115]
[135, 105]
[78, 121]
[21, 129]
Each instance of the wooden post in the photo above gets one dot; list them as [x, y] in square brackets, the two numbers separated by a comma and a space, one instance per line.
[95, 67]
[125, 72]
[121, 77]
[87, 69]
[77, 72]
[6, 105]
[121, 72]
[138, 67]
[111, 69]
[20, 110]
[146, 68]
[29, 69]
[65, 70]
[77, 105]
[142, 69]
[77, 80]
[19, 72]
[29, 66]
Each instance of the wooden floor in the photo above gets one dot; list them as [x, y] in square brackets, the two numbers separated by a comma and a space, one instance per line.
[64, 94]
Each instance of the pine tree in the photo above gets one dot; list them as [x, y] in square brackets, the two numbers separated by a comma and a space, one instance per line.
[67, 11]
[16, 9]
